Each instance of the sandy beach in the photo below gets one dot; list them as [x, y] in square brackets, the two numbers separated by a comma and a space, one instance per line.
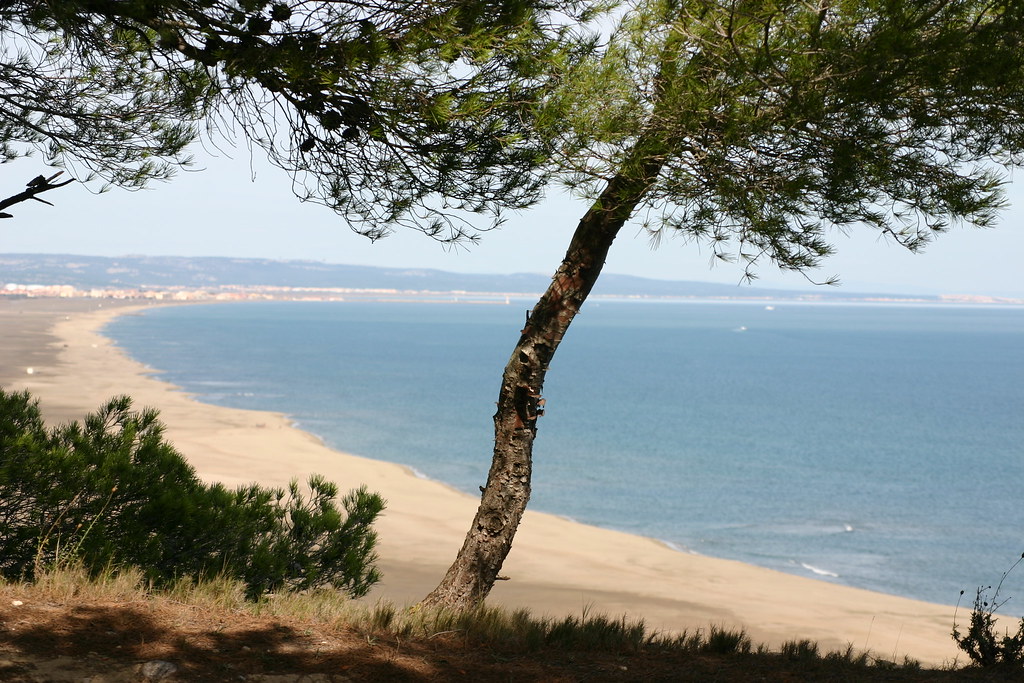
[556, 567]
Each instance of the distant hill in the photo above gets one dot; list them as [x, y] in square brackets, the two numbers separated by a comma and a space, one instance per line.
[86, 272]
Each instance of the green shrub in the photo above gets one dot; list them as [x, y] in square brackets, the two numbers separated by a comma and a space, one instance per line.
[982, 643]
[111, 491]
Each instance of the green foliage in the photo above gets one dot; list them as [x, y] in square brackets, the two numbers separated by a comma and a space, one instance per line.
[756, 127]
[386, 111]
[102, 108]
[112, 491]
[982, 643]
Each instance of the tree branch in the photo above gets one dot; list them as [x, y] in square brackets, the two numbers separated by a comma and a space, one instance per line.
[35, 186]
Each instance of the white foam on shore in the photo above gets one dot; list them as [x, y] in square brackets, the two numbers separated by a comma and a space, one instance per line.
[419, 474]
[678, 548]
[818, 570]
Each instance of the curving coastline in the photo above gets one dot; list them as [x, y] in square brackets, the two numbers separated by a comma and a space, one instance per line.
[556, 567]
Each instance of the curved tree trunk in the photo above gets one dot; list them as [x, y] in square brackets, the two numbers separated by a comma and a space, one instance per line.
[507, 492]
[504, 499]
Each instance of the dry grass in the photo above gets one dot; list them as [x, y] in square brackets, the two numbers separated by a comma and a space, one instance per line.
[66, 624]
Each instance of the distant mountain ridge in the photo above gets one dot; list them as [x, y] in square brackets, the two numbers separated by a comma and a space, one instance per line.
[86, 272]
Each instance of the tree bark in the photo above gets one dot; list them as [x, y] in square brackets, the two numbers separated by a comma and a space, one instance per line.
[520, 402]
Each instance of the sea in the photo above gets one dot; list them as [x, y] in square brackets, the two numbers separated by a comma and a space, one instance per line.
[879, 446]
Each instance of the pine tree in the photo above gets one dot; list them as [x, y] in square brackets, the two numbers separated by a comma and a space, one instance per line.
[755, 127]
[110, 491]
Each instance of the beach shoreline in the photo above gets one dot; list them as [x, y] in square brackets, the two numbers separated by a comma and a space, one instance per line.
[557, 566]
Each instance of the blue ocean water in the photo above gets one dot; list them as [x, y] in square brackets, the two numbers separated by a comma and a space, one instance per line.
[878, 446]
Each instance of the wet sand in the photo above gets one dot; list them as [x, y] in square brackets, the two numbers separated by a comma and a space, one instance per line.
[556, 567]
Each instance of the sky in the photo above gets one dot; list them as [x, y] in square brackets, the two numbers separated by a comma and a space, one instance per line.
[240, 206]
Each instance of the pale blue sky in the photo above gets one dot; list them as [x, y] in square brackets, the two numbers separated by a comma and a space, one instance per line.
[220, 211]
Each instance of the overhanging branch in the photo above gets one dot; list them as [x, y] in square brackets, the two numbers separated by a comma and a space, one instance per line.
[35, 186]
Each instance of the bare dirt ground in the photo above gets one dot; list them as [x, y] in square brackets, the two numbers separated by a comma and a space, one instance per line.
[162, 640]
[158, 639]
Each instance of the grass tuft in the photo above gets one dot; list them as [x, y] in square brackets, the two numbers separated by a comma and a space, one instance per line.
[849, 656]
[800, 650]
[74, 580]
[219, 592]
[724, 642]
